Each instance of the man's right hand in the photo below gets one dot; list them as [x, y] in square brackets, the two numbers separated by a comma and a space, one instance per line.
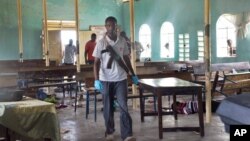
[98, 85]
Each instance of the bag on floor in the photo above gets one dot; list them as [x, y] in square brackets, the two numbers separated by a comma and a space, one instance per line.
[189, 107]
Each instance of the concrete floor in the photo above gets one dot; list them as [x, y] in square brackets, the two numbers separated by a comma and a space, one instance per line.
[74, 126]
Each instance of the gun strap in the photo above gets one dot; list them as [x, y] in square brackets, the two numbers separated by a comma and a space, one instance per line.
[114, 56]
[122, 64]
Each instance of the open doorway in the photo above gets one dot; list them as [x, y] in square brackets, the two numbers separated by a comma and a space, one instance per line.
[66, 35]
[59, 33]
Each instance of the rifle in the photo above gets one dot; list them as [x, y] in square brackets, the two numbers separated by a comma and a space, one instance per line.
[116, 57]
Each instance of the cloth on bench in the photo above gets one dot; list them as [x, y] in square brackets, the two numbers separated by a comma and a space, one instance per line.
[235, 110]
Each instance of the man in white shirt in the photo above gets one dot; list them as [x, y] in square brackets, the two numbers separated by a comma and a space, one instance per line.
[69, 53]
[138, 50]
[111, 79]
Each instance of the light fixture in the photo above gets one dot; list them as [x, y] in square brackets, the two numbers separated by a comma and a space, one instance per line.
[128, 0]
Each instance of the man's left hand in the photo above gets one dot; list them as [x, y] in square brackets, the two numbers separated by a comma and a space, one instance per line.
[135, 79]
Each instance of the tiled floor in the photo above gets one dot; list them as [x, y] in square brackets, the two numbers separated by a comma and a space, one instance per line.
[75, 127]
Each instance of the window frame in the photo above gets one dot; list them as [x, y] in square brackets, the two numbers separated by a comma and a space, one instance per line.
[184, 47]
[225, 30]
[167, 36]
[145, 40]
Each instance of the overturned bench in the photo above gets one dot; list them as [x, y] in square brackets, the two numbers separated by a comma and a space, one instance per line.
[235, 82]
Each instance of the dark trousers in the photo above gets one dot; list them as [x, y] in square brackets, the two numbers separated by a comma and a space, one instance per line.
[120, 90]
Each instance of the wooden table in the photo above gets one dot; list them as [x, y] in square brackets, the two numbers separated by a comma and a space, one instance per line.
[171, 86]
[58, 84]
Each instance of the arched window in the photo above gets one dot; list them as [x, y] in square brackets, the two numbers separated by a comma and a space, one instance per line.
[167, 40]
[225, 30]
[145, 40]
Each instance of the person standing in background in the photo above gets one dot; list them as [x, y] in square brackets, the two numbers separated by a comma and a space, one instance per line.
[69, 53]
[124, 35]
[89, 48]
[138, 47]
[230, 48]
[138, 50]
[167, 49]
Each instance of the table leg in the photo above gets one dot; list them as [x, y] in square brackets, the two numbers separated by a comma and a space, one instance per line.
[141, 104]
[200, 108]
[175, 107]
[159, 114]
[63, 95]
[7, 135]
[76, 98]
[95, 102]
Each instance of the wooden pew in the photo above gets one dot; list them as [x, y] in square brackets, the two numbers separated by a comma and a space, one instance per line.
[47, 77]
[226, 67]
[234, 83]
[9, 70]
[172, 65]
[51, 72]
[218, 71]
[166, 66]
[15, 65]
[221, 68]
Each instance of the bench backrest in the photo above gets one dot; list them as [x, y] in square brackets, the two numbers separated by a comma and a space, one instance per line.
[236, 81]
[230, 66]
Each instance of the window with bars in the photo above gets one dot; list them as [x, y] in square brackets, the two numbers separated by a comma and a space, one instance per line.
[145, 40]
[225, 31]
[200, 36]
[184, 47]
[167, 40]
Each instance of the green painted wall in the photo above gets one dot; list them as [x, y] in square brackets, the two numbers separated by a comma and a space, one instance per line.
[220, 7]
[91, 12]
[187, 16]
[8, 30]
[179, 12]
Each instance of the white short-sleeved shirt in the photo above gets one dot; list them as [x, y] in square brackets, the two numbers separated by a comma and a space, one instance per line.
[115, 73]
[69, 54]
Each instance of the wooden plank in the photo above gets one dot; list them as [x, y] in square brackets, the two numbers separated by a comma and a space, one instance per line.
[230, 66]
[236, 81]
[232, 83]
[51, 84]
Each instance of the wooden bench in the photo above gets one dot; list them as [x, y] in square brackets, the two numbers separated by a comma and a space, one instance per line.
[50, 74]
[221, 68]
[233, 82]
[9, 69]
[167, 66]
[221, 73]
[51, 71]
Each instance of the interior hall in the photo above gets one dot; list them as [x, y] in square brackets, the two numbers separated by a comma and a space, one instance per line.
[124, 70]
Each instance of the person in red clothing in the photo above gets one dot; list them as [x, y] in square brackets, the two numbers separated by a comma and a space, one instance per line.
[89, 48]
